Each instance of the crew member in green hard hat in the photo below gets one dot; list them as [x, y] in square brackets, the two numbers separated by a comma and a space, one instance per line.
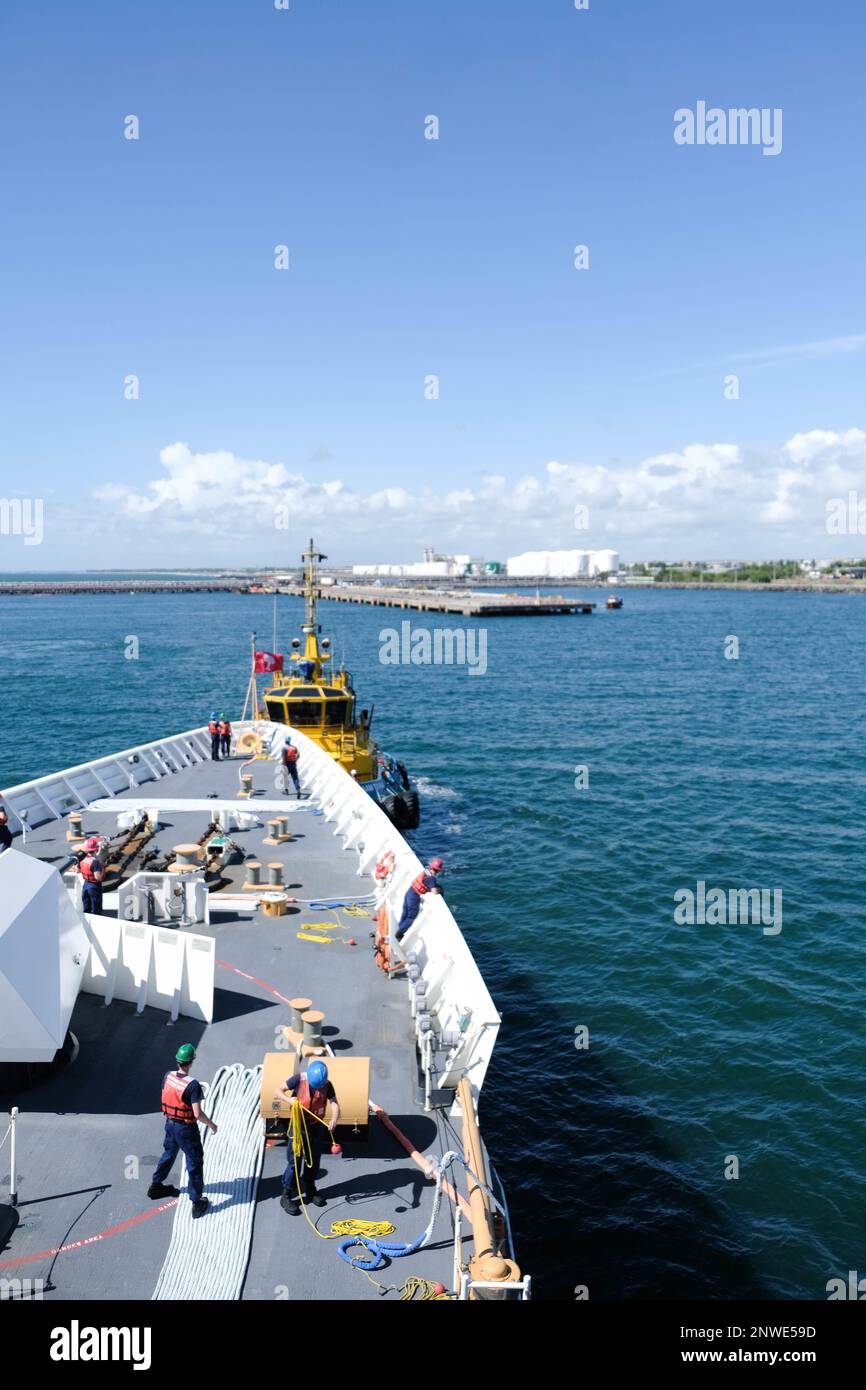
[182, 1096]
[313, 1091]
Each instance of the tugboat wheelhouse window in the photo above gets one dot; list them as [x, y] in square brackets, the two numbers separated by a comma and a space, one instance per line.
[276, 711]
[305, 713]
[335, 713]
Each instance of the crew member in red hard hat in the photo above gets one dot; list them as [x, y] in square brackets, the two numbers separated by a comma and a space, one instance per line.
[289, 761]
[313, 1091]
[426, 882]
[181, 1102]
[92, 870]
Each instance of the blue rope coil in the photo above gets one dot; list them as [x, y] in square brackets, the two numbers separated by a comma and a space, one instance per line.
[325, 904]
[380, 1251]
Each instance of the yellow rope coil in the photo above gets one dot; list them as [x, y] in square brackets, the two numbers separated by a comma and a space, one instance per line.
[414, 1285]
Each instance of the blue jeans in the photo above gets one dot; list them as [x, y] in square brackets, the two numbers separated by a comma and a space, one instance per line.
[91, 897]
[292, 771]
[187, 1138]
[411, 908]
[307, 1172]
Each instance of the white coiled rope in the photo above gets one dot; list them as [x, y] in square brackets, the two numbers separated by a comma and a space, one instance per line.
[207, 1257]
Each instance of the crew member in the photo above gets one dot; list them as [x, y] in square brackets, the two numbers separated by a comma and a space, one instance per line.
[313, 1091]
[92, 870]
[5, 832]
[182, 1096]
[364, 721]
[426, 882]
[225, 735]
[213, 729]
[290, 765]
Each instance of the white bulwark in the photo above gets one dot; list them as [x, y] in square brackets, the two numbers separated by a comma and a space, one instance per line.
[44, 948]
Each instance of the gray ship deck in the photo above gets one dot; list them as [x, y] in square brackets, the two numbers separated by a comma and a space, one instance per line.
[89, 1137]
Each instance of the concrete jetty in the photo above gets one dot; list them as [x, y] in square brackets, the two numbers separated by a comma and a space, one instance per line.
[465, 602]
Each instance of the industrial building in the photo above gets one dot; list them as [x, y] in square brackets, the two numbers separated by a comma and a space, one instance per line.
[433, 566]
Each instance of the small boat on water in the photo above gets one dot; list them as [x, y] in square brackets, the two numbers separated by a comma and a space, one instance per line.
[614, 601]
[320, 700]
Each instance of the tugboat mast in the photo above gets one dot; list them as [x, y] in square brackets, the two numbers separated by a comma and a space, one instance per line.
[312, 591]
[311, 627]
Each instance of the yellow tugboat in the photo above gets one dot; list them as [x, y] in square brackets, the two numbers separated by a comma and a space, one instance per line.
[320, 699]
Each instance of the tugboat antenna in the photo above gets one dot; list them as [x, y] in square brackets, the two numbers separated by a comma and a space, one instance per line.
[311, 558]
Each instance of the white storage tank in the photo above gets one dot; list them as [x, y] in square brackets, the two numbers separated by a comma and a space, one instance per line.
[605, 561]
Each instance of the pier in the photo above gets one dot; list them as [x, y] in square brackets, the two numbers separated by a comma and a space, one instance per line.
[465, 602]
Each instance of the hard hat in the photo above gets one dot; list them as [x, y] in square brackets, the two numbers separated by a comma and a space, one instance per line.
[213, 714]
[436, 865]
[92, 845]
[317, 1075]
[185, 1053]
[288, 738]
[222, 714]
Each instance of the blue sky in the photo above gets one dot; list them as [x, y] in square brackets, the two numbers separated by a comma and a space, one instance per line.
[411, 257]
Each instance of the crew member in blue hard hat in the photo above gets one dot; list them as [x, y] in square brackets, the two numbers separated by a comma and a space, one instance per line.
[181, 1101]
[314, 1091]
[290, 765]
[213, 728]
[426, 882]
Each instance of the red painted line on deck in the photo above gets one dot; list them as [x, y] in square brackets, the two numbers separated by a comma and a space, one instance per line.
[153, 1211]
[261, 983]
[91, 1240]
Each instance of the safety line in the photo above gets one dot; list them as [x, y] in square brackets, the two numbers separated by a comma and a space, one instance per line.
[91, 1240]
[261, 983]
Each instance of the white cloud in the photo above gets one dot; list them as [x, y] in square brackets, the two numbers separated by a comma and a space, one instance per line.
[702, 500]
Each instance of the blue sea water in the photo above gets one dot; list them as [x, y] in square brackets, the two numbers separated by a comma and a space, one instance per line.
[707, 1043]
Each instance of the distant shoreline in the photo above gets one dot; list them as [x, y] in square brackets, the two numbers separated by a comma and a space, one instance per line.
[211, 585]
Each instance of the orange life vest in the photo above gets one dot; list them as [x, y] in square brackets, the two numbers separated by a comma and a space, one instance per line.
[420, 884]
[225, 727]
[317, 1100]
[173, 1105]
[290, 755]
[86, 868]
[213, 727]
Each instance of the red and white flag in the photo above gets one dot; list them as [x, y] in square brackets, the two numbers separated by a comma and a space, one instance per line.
[267, 662]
